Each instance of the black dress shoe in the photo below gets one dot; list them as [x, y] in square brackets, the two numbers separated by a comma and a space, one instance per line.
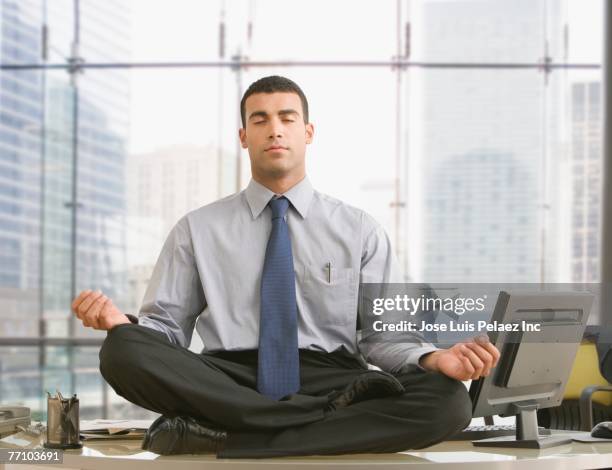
[182, 435]
[371, 384]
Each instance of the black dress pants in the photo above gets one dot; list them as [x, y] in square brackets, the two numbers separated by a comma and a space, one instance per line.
[145, 368]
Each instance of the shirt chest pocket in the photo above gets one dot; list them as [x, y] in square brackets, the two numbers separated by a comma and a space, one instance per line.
[330, 293]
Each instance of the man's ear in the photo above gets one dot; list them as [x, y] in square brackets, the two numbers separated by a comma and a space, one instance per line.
[309, 132]
[242, 137]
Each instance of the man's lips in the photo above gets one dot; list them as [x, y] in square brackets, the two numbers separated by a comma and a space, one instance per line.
[276, 147]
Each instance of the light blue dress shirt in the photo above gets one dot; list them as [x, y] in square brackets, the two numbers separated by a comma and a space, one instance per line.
[211, 264]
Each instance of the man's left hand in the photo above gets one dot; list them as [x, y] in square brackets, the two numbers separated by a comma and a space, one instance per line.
[464, 361]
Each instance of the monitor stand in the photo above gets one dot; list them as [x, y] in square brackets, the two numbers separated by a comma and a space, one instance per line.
[527, 436]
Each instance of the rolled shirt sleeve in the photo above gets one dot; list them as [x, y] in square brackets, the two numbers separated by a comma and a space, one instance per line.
[392, 352]
[174, 297]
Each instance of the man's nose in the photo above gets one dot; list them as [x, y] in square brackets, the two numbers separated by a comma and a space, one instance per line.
[276, 130]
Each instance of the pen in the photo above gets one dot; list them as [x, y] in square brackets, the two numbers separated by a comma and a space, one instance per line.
[329, 272]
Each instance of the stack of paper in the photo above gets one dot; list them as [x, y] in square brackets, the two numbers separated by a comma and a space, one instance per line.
[114, 428]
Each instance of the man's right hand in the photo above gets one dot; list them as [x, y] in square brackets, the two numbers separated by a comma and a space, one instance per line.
[96, 310]
[468, 360]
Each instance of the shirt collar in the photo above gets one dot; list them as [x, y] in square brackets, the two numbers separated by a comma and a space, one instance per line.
[300, 195]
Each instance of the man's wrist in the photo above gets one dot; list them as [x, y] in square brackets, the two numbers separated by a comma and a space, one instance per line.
[429, 361]
[121, 321]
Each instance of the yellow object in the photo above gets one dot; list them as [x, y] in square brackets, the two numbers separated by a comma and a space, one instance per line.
[585, 372]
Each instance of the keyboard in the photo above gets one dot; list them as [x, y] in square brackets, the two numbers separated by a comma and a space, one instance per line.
[474, 433]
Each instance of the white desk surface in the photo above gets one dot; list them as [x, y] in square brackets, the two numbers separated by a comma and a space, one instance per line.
[127, 455]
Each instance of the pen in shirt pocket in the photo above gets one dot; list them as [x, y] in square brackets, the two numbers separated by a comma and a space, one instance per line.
[328, 268]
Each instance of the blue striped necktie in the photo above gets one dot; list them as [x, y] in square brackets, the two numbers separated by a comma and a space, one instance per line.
[278, 370]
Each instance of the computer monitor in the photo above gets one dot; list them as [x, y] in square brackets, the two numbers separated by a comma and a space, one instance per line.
[534, 365]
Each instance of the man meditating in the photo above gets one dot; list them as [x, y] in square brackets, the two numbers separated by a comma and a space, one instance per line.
[272, 276]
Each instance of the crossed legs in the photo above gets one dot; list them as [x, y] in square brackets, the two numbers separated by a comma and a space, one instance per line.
[145, 368]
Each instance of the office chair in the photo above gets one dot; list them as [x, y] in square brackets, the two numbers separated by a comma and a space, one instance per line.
[587, 400]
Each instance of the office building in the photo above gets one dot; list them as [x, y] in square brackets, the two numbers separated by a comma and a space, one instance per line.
[586, 122]
[491, 116]
[36, 171]
[21, 114]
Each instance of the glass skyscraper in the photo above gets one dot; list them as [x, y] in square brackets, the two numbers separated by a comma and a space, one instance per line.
[484, 142]
[586, 172]
[37, 171]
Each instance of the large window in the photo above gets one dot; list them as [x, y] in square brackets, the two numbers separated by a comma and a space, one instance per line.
[471, 129]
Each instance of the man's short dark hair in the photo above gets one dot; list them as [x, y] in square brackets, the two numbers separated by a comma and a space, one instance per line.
[273, 84]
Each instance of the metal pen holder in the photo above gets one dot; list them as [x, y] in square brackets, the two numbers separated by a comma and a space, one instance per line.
[63, 422]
